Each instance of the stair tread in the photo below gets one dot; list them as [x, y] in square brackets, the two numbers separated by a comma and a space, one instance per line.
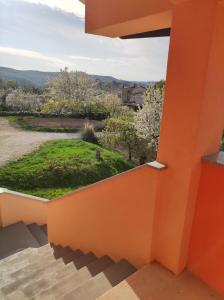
[19, 260]
[19, 283]
[101, 283]
[38, 233]
[32, 263]
[30, 268]
[75, 279]
[27, 255]
[36, 277]
[14, 237]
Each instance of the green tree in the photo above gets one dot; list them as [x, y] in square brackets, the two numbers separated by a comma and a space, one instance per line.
[121, 131]
[160, 84]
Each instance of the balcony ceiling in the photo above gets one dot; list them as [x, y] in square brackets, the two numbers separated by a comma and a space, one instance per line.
[115, 18]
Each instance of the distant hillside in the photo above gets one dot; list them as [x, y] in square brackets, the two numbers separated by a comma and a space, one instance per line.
[39, 79]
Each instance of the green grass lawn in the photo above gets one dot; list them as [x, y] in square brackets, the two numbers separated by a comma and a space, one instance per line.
[60, 166]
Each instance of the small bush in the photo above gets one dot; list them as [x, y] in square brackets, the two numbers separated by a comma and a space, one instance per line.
[88, 134]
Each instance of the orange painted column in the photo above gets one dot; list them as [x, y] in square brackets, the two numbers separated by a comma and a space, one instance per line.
[192, 122]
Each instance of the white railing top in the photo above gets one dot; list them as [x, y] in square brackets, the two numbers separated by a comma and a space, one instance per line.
[6, 191]
[216, 158]
[157, 166]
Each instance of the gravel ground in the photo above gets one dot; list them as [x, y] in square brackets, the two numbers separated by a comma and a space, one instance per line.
[15, 142]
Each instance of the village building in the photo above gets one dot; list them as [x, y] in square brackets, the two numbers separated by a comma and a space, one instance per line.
[133, 95]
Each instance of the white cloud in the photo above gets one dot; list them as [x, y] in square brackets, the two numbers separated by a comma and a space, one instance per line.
[84, 58]
[32, 54]
[71, 6]
[99, 59]
[54, 39]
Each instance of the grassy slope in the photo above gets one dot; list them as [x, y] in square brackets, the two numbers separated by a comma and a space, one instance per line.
[60, 166]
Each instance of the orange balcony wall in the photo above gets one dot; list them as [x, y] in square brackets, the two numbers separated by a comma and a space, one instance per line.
[16, 207]
[206, 255]
[193, 113]
[114, 217]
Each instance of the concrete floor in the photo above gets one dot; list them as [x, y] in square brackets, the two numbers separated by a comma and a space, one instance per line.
[156, 283]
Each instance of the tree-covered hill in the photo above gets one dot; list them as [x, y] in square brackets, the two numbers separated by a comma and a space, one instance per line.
[39, 78]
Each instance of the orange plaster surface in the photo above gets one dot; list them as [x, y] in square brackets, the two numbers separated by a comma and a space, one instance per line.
[192, 122]
[116, 18]
[113, 217]
[206, 256]
[14, 208]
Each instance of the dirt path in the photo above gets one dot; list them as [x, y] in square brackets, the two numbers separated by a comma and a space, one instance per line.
[15, 142]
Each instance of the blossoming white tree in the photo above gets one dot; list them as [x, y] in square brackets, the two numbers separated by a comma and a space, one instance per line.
[17, 100]
[72, 85]
[148, 119]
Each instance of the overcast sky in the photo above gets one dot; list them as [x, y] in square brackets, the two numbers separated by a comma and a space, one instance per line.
[49, 34]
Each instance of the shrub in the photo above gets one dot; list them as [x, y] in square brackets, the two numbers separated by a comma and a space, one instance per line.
[88, 134]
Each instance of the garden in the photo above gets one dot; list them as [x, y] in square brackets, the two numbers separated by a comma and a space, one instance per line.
[72, 102]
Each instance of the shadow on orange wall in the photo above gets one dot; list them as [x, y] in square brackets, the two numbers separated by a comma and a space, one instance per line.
[16, 207]
[113, 217]
[206, 257]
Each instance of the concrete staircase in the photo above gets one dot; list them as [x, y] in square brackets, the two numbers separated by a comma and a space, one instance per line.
[31, 268]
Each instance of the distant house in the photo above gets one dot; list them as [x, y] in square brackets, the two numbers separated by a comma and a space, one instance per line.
[133, 95]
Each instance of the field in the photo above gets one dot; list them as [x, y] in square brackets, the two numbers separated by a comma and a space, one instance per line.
[60, 166]
[55, 124]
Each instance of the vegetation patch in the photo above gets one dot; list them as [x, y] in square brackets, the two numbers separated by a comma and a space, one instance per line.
[48, 193]
[60, 166]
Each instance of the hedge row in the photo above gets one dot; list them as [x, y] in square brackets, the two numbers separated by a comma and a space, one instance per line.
[76, 115]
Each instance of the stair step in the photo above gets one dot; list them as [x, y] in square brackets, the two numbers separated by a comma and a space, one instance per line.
[15, 255]
[38, 233]
[101, 283]
[59, 251]
[47, 279]
[23, 269]
[71, 256]
[84, 260]
[14, 262]
[75, 279]
[23, 258]
[39, 259]
[28, 278]
[14, 237]
[39, 264]
[55, 267]
[44, 229]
